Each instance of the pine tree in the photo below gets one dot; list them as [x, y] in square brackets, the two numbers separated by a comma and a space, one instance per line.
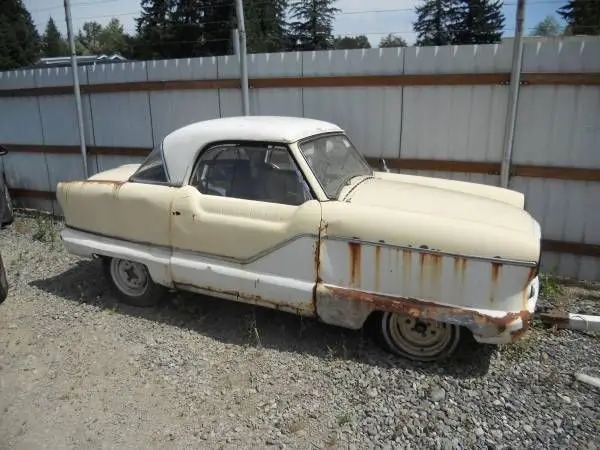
[313, 25]
[154, 29]
[266, 27]
[582, 17]
[435, 22]
[19, 39]
[53, 43]
[477, 22]
[217, 24]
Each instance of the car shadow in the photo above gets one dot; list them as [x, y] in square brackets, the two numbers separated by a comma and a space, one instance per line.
[242, 324]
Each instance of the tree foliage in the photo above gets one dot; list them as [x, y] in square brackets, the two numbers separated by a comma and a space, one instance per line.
[53, 44]
[19, 39]
[582, 16]
[312, 25]
[455, 22]
[351, 42]
[391, 41]
[435, 19]
[549, 26]
[266, 25]
[477, 22]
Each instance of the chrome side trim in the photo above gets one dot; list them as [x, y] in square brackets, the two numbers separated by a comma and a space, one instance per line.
[281, 244]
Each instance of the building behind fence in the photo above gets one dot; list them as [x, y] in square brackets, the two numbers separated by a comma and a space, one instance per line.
[438, 111]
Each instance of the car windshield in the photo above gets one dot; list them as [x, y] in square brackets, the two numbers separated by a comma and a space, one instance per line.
[334, 162]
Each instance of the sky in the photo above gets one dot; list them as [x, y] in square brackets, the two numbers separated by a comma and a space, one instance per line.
[356, 16]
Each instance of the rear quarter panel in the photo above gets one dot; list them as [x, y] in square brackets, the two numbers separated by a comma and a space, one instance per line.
[131, 211]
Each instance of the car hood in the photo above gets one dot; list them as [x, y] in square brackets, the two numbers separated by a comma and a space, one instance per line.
[438, 202]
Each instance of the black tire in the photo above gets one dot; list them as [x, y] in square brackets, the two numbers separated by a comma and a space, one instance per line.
[7, 214]
[3, 282]
[142, 292]
[400, 335]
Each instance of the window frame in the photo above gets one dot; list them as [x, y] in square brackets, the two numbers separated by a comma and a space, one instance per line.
[250, 143]
[168, 183]
[319, 136]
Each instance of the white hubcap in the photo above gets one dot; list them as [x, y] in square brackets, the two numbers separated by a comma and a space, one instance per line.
[130, 277]
[419, 337]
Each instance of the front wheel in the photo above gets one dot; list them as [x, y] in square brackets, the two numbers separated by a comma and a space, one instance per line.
[132, 282]
[417, 339]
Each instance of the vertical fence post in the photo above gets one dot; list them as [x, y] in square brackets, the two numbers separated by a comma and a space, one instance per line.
[76, 87]
[515, 82]
[239, 10]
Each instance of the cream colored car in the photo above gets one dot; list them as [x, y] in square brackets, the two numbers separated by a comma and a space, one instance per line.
[284, 212]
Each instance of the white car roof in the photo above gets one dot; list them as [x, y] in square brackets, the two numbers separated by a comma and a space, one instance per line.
[181, 146]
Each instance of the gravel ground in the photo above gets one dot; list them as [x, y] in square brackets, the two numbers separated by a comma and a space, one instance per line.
[79, 370]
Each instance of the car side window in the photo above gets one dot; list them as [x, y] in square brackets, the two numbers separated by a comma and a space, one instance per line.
[251, 172]
[152, 169]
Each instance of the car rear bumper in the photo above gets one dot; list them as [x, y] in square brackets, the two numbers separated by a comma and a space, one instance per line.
[513, 329]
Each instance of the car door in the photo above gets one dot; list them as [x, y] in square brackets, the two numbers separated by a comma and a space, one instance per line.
[246, 227]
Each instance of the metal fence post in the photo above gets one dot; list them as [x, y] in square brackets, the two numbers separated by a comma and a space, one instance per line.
[243, 57]
[515, 82]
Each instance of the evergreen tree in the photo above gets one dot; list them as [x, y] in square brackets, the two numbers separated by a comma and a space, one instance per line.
[154, 29]
[266, 27]
[313, 25]
[477, 22]
[53, 43]
[19, 39]
[435, 22]
[217, 22]
[582, 17]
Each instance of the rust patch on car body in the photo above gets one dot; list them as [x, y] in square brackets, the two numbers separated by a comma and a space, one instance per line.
[470, 318]
[355, 263]
[253, 299]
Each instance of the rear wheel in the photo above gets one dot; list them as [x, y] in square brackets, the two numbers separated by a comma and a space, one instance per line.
[417, 339]
[132, 282]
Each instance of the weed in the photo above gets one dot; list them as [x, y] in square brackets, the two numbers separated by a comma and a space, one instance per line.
[252, 331]
[343, 418]
[550, 286]
[45, 231]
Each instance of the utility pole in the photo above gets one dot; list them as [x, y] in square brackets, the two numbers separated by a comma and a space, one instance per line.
[515, 82]
[239, 12]
[76, 87]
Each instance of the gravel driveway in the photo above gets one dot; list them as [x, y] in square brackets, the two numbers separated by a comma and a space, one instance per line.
[78, 370]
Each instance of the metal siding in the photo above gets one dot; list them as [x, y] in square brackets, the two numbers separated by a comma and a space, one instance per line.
[370, 116]
[26, 171]
[279, 102]
[64, 168]
[59, 119]
[20, 121]
[125, 72]
[122, 119]
[230, 102]
[17, 79]
[59, 76]
[107, 162]
[374, 61]
[487, 58]
[182, 69]
[174, 109]
[456, 123]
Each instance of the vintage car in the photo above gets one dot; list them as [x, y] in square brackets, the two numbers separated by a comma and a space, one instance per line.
[284, 212]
